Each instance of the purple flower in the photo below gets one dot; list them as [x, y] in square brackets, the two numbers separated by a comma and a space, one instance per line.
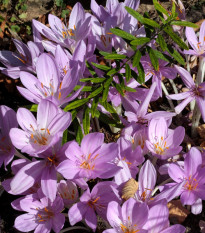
[157, 75]
[66, 36]
[38, 135]
[194, 92]
[158, 220]
[7, 121]
[163, 142]
[42, 215]
[48, 85]
[194, 177]
[25, 59]
[131, 217]
[93, 159]
[93, 202]
[198, 46]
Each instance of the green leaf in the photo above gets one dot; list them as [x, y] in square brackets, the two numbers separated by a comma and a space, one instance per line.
[173, 8]
[23, 16]
[153, 58]
[175, 38]
[13, 19]
[140, 18]
[160, 8]
[113, 56]
[161, 42]
[65, 13]
[111, 72]
[108, 82]
[140, 41]
[184, 23]
[141, 73]
[15, 28]
[162, 56]
[74, 114]
[175, 55]
[65, 137]
[86, 120]
[78, 130]
[103, 53]
[94, 80]
[134, 75]
[119, 89]
[75, 104]
[105, 94]
[85, 88]
[94, 106]
[90, 68]
[95, 92]
[32, 107]
[129, 89]
[136, 58]
[108, 120]
[127, 72]
[101, 67]
[123, 34]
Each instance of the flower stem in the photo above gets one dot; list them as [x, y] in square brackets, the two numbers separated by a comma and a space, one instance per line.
[197, 113]
[163, 183]
[18, 154]
[74, 228]
[166, 93]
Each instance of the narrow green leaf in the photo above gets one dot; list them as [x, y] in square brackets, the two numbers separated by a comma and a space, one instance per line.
[175, 55]
[175, 38]
[107, 120]
[162, 42]
[115, 56]
[140, 41]
[94, 106]
[95, 92]
[108, 82]
[162, 56]
[110, 109]
[153, 58]
[75, 104]
[94, 80]
[140, 18]
[113, 71]
[119, 88]
[136, 58]
[105, 94]
[103, 53]
[86, 120]
[173, 8]
[184, 23]
[90, 68]
[123, 34]
[101, 67]
[129, 89]
[134, 75]
[65, 137]
[74, 114]
[127, 72]
[141, 73]
[78, 131]
[160, 8]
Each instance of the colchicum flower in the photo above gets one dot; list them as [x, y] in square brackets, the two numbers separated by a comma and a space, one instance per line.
[194, 92]
[163, 142]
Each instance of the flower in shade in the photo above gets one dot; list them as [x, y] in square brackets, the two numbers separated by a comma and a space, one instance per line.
[130, 218]
[25, 59]
[42, 215]
[39, 134]
[94, 202]
[194, 177]
[158, 220]
[163, 142]
[90, 160]
[194, 92]
[198, 46]
[7, 121]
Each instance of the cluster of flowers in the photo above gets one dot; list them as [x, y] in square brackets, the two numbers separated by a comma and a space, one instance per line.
[51, 175]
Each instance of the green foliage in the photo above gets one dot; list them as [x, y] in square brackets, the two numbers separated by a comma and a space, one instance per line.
[15, 28]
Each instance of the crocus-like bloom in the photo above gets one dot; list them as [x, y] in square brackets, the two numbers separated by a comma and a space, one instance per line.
[7, 121]
[163, 142]
[93, 202]
[38, 135]
[157, 75]
[193, 175]
[198, 46]
[68, 191]
[194, 92]
[41, 216]
[48, 85]
[158, 220]
[130, 218]
[93, 159]
[25, 59]
[66, 36]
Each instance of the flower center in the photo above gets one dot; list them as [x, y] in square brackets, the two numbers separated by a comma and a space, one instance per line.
[191, 184]
[40, 136]
[201, 47]
[128, 227]
[44, 214]
[160, 146]
[89, 162]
